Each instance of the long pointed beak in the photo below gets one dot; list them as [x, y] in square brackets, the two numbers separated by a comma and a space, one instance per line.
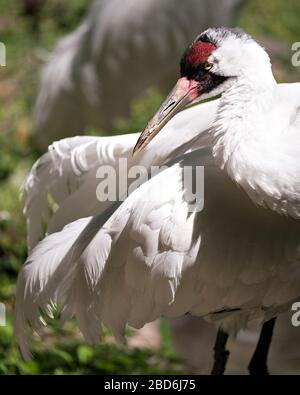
[184, 92]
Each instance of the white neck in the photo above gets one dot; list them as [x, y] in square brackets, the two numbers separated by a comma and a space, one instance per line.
[244, 145]
[240, 116]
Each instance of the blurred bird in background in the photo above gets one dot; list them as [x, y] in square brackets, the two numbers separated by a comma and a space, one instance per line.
[95, 72]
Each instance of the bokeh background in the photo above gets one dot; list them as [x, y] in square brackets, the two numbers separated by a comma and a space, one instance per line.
[30, 30]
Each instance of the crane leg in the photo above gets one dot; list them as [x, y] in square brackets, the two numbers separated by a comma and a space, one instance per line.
[258, 363]
[220, 353]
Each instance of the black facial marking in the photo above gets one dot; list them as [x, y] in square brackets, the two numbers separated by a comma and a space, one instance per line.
[190, 72]
[210, 82]
[204, 38]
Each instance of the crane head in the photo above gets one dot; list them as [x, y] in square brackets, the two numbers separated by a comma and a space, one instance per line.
[208, 67]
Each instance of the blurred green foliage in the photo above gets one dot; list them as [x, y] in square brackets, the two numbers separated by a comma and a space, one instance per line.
[277, 19]
[62, 354]
[63, 350]
[141, 110]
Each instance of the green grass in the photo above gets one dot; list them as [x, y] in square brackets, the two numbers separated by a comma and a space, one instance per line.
[63, 352]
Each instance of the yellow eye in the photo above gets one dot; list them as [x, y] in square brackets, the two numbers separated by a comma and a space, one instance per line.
[207, 66]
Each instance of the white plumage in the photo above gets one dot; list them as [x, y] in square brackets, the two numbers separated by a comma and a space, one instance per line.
[236, 260]
[68, 171]
[95, 72]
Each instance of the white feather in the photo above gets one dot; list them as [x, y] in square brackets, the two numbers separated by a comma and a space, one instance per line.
[67, 173]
